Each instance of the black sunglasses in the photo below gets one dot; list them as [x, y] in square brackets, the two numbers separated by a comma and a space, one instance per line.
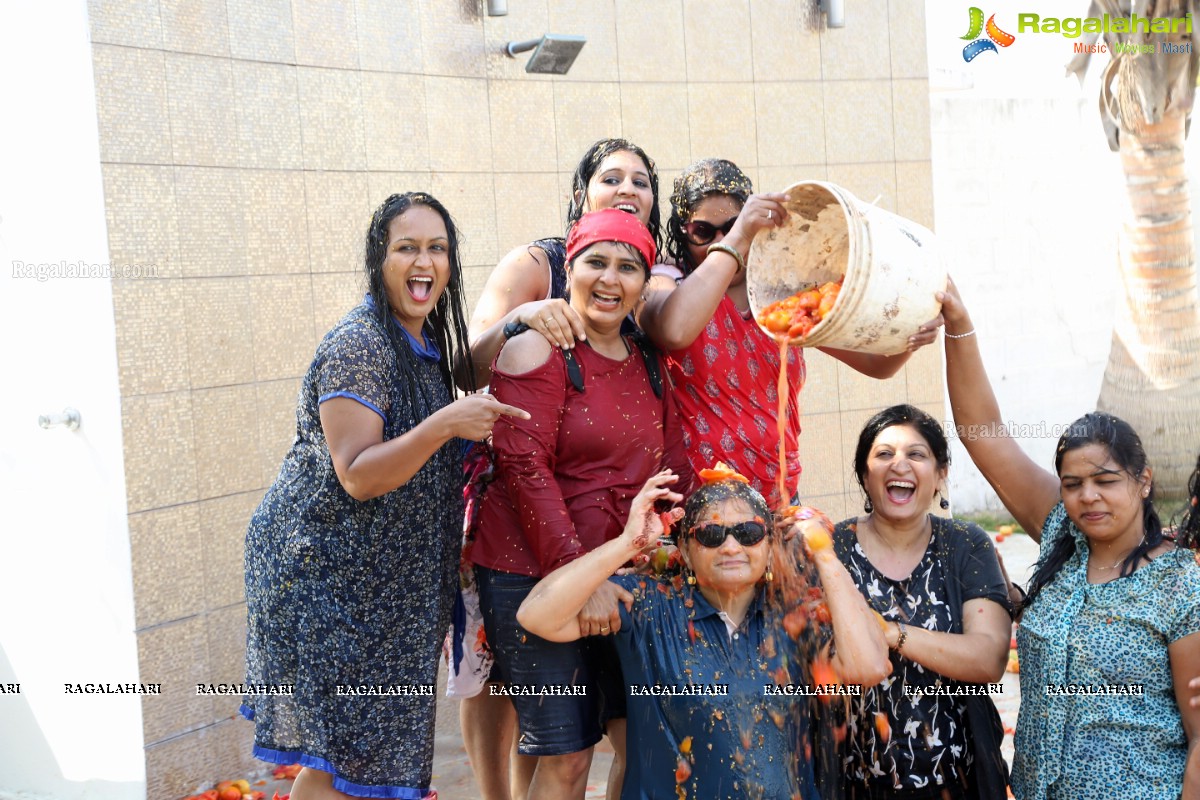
[701, 233]
[746, 533]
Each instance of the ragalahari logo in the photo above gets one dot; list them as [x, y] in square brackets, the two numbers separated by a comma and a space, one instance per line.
[995, 36]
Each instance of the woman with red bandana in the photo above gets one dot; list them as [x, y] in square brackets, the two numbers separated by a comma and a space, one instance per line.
[602, 422]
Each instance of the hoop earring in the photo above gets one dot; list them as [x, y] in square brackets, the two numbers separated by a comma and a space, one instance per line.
[867, 506]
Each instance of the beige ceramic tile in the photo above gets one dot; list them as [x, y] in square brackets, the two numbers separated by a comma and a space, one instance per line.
[906, 26]
[790, 122]
[859, 51]
[134, 23]
[218, 316]
[232, 740]
[281, 315]
[334, 294]
[224, 521]
[730, 133]
[852, 425]
[266, 98]
[177, 767]
[872, 182]
[168, 572]
[452, 39]
[389, 37]
[226, 434]
[381, 185]
[211, 208]
[820, 392]
[523, 127]
[277, 404]
[331, 112]
[654, 117]
[195, 26]
[783, 49]
[131, 104]
[858, 121]
[152, 353]
[821, 454]
[926, 375]
[776, 179]
[339, 214]
[836, 506]
[597, 61]
[199, 96]
[459, 131]
[261, 30]
[585, 112]
[910, 101]
[649, 46]
[160, 467]
[475, 278]
[715, 52]
[326, 34]
[526, 207]
[396, 122]
[143, 228]
[276, 229]
[860, 392]
[471, 199]
[175, 655]
[914, 191]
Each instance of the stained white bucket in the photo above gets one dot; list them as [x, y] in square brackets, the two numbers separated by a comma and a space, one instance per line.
[892, 267]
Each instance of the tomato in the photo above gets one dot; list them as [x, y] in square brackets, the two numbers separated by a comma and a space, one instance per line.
[808, 300]
[721, 472]
[827, 303]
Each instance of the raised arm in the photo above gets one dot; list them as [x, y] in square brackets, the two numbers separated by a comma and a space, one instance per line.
[516, 291]
[551, 610]
[1184, 655]
[1027, 491]
[674, 315]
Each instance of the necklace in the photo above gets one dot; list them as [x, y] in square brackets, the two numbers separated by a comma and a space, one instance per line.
[1122, 561]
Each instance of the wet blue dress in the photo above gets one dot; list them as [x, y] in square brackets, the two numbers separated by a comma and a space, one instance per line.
[349, 601]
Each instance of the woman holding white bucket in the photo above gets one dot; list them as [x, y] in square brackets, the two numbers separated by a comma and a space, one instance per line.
[724, 367]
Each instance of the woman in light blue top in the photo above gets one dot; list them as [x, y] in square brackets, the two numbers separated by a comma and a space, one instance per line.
[1111, 627]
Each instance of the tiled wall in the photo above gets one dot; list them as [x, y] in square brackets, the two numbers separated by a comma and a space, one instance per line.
[245, 143]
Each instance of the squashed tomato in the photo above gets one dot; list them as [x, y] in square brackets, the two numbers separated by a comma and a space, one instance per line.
[794, 317]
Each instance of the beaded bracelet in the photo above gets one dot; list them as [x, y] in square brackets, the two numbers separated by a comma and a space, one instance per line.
[960, 335]
[724, 248]
[902, 637]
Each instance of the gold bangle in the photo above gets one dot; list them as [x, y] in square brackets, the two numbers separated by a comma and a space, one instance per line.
[903, 635]
[725, 248]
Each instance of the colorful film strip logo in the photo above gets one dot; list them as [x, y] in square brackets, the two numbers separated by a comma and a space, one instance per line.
[995, 36]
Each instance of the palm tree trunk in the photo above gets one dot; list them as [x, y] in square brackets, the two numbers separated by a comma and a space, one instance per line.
[1152, 379]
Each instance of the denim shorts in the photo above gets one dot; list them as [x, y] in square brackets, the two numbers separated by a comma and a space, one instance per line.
[574, 688]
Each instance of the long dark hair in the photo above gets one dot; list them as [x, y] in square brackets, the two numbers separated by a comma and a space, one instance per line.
[1125, 448]
[903, 414]
[446, 324]
[1187, 532]
[586, 169]
[701, 179]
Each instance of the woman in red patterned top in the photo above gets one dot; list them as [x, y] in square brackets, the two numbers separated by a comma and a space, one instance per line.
[724, 368]
[601, 423]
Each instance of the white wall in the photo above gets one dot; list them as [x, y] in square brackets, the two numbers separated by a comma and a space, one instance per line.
[66, 594]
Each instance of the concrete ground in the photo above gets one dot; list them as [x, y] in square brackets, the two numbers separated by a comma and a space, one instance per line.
[452, 771]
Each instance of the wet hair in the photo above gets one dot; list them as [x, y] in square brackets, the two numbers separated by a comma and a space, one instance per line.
[699, 180]
[697, 505]
[585, 170]
[1124, 447]
[446, 324]
[903, 414]
[1187, 532]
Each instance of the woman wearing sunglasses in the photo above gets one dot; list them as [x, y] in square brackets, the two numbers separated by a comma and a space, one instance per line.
[725, 368]
[937, 583]
[702, 656]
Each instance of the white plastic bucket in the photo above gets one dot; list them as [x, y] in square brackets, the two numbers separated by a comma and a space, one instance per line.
[892, 267]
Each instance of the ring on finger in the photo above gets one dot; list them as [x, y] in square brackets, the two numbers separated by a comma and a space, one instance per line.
[770, 214]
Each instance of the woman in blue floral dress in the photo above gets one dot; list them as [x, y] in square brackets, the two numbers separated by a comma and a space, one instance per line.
[352, 557]
[1111, 627]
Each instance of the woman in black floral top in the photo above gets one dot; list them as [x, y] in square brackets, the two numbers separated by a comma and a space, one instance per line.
[928, 730]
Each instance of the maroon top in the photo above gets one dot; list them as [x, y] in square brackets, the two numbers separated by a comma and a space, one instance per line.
[565, 478]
